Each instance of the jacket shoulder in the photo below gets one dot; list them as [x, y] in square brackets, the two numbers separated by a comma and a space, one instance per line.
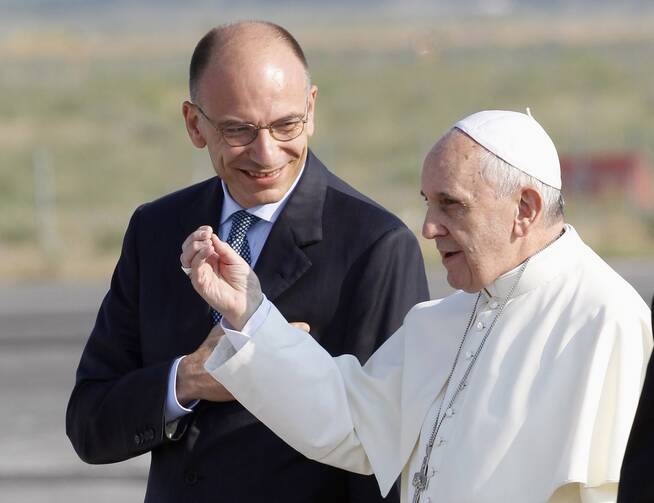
[344, 199]
[181, 198]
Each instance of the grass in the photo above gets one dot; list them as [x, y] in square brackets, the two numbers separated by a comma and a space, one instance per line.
[107, 113]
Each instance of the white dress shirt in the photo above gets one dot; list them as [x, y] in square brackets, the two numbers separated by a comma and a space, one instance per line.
[257, 236]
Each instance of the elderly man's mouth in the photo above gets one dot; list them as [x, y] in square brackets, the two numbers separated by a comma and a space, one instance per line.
[447, 256]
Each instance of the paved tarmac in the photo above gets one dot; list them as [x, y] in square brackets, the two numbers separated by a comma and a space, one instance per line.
[42, 332]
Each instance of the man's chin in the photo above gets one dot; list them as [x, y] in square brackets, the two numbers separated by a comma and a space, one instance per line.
[460, 284]
[249, 197]
[267, 196]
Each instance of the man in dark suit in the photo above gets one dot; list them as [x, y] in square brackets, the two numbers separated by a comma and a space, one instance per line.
[637, 474]
[326, 255]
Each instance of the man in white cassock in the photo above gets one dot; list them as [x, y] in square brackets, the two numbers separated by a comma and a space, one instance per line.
[520, 387]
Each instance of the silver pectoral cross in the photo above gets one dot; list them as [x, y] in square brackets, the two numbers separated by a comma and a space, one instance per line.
[421, 480]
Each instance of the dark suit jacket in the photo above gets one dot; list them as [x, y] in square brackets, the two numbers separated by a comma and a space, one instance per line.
[333, 259]
[637, 474]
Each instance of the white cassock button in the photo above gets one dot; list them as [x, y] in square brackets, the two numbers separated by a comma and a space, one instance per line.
[440, 441]
[469, 354]
[480, 325]
[493, 304]
[449, 412]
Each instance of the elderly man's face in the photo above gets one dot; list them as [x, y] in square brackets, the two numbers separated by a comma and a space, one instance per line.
[472, 228]
[265, 87]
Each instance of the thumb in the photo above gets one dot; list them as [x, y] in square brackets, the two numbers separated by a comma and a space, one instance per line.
[228, 255]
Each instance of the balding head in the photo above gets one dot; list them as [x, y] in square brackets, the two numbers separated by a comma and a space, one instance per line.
[245, 76]
[227, 44]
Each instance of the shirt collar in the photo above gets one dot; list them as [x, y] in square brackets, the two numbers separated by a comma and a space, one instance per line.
[544, 266]
[268, 212]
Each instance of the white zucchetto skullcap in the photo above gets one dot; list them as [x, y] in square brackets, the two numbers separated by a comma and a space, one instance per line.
[517, 139]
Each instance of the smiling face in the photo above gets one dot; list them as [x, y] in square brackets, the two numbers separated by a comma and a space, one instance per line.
[261, 84]
[473, 230]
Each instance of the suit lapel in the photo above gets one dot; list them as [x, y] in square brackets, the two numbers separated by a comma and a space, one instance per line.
[283, 260]
[204, 209]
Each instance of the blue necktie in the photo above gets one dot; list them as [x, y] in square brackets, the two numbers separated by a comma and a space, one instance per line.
[242, 221]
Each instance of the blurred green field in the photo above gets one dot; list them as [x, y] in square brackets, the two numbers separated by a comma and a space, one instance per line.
[104, 110]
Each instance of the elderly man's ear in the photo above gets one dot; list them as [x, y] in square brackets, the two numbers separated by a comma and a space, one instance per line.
[528, 211]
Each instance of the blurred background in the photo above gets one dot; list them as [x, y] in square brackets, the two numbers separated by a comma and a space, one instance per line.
[91, 127]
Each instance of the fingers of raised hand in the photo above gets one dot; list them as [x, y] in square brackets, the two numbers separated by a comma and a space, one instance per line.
[203, 251]
[188, 256]
[201, 233]
[196, 241]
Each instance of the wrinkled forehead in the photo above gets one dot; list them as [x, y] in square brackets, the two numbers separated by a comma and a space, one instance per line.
[453, 166]
[453, 149]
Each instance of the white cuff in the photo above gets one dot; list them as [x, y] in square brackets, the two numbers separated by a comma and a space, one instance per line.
[173, 408]
[233, 341]
[238, 339]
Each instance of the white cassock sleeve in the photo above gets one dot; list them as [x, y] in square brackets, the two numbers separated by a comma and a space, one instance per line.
[331, 410]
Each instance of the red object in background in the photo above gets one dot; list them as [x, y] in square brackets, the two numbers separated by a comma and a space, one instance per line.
[625, 173]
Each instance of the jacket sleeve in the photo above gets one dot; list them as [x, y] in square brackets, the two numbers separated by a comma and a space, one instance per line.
[636, 482]
[116, 408]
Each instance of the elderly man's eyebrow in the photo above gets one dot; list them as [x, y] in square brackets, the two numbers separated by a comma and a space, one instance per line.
[446, 198]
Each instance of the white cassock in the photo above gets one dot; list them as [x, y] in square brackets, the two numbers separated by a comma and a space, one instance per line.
[545, 413]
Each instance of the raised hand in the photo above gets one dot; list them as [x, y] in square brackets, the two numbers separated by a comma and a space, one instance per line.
[221, 276]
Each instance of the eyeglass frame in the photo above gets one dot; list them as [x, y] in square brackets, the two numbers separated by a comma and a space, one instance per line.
[269, 127]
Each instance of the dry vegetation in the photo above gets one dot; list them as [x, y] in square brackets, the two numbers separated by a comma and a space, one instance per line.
[105, 109]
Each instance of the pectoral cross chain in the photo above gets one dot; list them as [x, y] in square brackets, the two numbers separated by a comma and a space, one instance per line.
[421, 479]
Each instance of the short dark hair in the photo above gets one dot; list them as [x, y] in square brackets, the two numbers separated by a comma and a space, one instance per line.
[207, 44]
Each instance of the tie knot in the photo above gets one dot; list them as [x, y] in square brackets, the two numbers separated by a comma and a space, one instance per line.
[238, 240]
[244, 220]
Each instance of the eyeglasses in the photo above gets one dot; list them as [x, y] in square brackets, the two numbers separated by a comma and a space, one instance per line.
[241, 134]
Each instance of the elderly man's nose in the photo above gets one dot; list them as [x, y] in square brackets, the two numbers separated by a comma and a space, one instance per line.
[432, 228]
[428, 230]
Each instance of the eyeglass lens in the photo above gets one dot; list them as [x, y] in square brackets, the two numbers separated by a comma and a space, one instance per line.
[243, 134]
